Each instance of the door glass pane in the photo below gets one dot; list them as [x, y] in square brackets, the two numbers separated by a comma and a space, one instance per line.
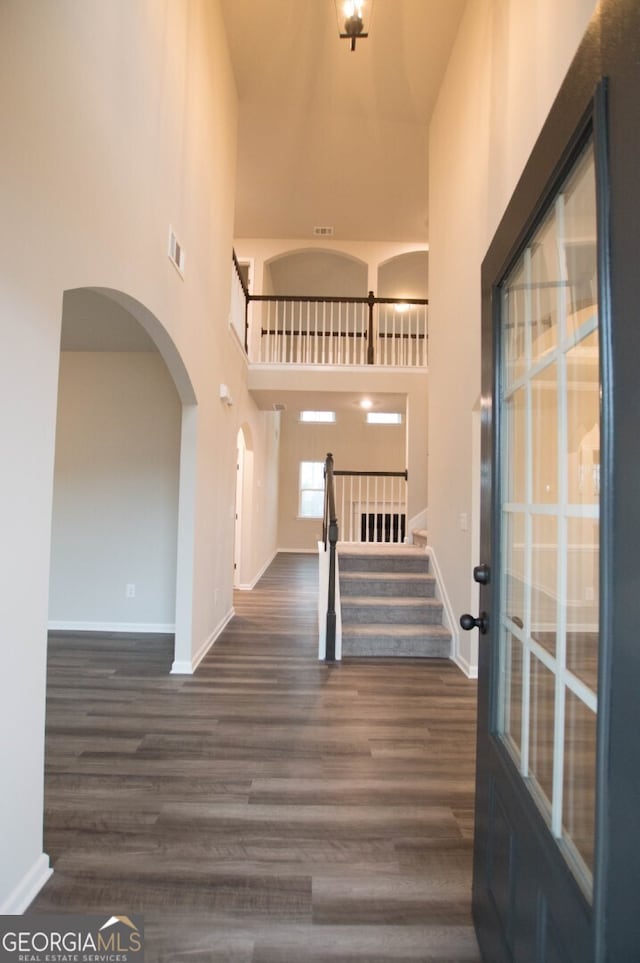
[514, 558]
[545, 285]
[544, 454]
[513, 682]
[541, 727]
[578, 817]
[550, 493]
[583, 422]
[515, 310]
[582, 609]
[544, 580]
[580, 249]
[515, 425]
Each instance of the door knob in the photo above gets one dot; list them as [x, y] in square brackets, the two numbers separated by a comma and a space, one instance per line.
[482, 622]
[482, 574]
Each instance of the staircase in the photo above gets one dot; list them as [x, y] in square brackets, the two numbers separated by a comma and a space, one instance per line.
[388, 604]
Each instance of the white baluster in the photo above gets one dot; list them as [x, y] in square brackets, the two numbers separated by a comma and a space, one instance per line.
[314, 355]
[394, 509]
[351, 539]
[271, 338]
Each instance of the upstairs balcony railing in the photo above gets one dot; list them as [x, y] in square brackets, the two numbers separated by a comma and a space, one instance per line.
[371, 505]
[330, 331]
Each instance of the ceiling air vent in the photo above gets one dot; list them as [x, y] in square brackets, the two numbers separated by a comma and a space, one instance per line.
[323, 232]
[279, 406]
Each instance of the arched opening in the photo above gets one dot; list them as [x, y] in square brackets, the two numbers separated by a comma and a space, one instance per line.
[243, 514]
[316, 272]
[404, 276]
[122, 533]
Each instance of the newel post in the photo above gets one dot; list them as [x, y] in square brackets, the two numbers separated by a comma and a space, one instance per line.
[330, 650]
[370, 351]
[330, 534]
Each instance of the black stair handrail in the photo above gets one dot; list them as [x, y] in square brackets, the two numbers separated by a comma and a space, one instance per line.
[372, 474]
[330, 538]
[247, 298]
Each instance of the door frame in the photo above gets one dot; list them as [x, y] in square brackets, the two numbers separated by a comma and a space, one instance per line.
[241, 450]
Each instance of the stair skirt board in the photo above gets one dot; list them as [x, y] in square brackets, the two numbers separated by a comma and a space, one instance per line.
[389, 604]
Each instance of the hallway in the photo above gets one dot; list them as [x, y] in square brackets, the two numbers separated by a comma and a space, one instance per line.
[268, 809]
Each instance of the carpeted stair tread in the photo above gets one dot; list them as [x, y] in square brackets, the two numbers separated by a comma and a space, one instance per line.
[414, 560]
[399, 641]
[390, 609]
[418, 584]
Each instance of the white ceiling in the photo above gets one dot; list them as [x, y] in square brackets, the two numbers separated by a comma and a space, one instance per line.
[328, 137]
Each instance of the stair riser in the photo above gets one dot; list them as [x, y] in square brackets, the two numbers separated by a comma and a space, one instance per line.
[390, 614]
[424, 588]
[384, 563]
[387, 647]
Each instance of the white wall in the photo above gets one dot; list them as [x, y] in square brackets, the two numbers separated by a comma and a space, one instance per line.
[355, 446]
[118, 119]
[115, 504]
[508, 62]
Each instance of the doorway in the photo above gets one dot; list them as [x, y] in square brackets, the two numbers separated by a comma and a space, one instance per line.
[124, 454]
[243, 536]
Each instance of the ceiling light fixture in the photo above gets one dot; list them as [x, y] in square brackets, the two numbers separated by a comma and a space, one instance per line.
[366, 403]
[354, 16]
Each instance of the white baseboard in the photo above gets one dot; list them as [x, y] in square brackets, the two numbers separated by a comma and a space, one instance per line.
[248, 586]
[297, 551]
[28, 888]
[151, 628]
[449, 619]
[189, 666]
[471, 671]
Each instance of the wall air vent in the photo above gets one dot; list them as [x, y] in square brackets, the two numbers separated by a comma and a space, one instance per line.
[279, 406]
[323, 232]
[176, 252]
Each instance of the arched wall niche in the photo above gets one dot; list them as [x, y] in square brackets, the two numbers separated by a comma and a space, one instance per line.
[316, 272]
[404, 276]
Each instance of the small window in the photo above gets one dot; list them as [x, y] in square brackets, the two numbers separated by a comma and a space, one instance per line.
[318, 417]
[383, 418]
[311, 489]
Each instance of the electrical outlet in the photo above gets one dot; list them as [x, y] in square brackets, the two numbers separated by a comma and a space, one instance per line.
[130, 590]
[464, 522]
[589, 594]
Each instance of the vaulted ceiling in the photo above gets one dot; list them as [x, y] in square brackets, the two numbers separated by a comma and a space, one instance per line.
[330, 137]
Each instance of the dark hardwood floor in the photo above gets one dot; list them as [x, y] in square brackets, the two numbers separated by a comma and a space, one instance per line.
[269, 808]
